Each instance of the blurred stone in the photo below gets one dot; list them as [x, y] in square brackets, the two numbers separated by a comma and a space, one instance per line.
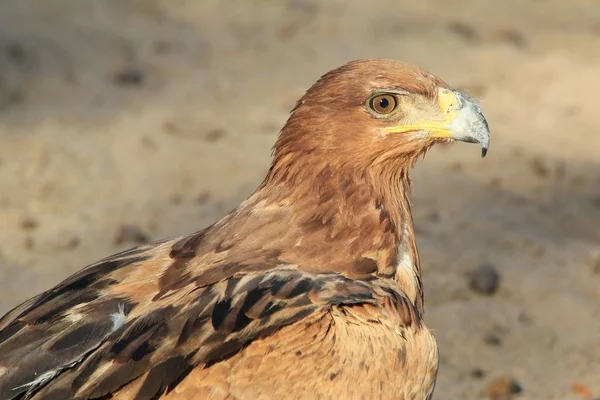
[29, 223]
[518, 152]
[149, 143]
[287, 31]
[214, 135]
[540, 167]
[539, 251]
[204, 197]
[16, 52]
[130, 76]
[433, 216]
[464, 31]
[493, 339]
[525, 318]
[503, 388]
[545, 169]
[514, 37]
[495, 335]
[495, 183]
[131, 234]
[477, 373]
[457, 167]
[484, 279]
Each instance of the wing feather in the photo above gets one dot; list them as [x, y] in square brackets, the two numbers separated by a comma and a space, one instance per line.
[65, 343]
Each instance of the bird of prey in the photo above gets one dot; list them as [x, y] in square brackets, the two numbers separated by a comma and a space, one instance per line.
[310, 288]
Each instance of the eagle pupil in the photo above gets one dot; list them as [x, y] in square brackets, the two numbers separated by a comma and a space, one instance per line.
[384, 103]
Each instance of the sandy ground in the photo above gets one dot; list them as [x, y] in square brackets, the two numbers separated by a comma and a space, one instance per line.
[159, 115]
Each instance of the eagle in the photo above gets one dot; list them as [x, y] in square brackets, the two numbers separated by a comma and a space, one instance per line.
[310, 288]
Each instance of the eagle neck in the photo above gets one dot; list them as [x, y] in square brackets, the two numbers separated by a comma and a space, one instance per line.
[359, 219]
[396, 201]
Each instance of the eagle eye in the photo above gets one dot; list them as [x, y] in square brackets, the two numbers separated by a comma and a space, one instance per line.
[383, 104]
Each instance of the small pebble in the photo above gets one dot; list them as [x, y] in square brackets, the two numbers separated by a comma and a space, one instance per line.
[477, 373]
[514, 37]
[214, 135]
[29, 223]
[495, 335]
[130, 76]
[495, 183]
[16, 52]
[525, 318]
[503, 388]
[484, 279]
[493, 339]
[540, 167]
[131, 234]
[287, 31]
[457, 167]
[545, 169]
[463, 30]
[204, 197]
[433, 216]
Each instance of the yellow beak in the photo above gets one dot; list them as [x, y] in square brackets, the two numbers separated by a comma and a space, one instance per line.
[461, 120]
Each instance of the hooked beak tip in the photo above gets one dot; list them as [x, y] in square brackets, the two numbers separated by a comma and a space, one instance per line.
[470, 125]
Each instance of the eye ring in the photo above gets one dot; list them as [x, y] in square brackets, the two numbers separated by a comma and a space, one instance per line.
[383, 104]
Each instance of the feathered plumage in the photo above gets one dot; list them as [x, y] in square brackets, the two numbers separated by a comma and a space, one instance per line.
[311, 288]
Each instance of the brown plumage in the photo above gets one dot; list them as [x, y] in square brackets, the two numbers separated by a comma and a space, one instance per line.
[311, 288]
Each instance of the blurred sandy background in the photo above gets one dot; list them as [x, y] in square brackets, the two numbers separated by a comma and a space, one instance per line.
[123, 121]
